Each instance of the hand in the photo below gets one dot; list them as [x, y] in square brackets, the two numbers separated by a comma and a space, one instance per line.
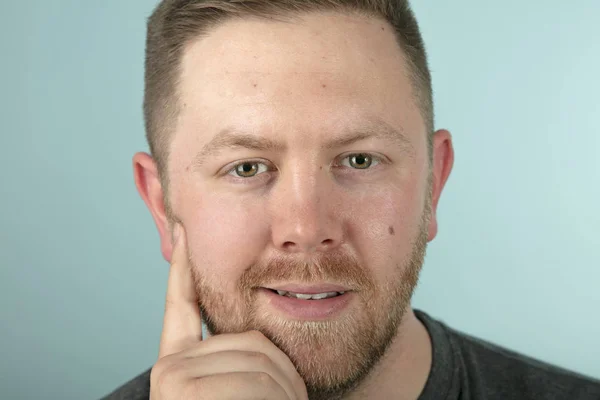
[229, 366]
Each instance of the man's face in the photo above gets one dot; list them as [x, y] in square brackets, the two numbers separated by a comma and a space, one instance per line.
[321, 186]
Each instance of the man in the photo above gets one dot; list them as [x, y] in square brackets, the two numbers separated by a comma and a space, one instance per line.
[294, 180]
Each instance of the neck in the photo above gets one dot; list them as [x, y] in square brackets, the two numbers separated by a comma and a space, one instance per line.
[403, 371]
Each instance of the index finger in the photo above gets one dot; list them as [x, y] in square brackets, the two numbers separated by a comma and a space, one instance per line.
[182, 324]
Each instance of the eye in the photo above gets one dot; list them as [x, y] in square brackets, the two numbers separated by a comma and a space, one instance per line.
[360, 161]
[248, 169]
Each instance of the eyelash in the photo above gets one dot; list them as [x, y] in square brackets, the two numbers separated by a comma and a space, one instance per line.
[231, 171]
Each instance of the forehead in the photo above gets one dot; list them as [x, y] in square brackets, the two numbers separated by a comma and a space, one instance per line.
[316, 72]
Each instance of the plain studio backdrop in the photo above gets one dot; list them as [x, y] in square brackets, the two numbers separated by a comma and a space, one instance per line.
[82, 280]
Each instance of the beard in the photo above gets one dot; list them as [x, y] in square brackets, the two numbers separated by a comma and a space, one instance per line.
[332, 356]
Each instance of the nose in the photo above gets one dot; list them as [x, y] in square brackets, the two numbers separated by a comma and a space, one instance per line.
[305, 214]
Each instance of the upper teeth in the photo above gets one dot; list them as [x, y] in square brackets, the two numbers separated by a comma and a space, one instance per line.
[304, 296]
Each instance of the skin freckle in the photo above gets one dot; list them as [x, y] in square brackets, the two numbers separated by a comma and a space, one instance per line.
[392, 231]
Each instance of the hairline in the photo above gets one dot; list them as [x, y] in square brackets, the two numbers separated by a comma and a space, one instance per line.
[168, 131]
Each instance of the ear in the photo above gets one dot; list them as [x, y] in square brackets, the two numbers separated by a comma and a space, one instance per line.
[150, 189]
[443, 160]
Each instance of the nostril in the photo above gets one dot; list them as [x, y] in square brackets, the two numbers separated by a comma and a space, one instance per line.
[327, 242]
[294, 246]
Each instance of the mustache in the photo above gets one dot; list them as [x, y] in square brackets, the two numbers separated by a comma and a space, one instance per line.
[339, 268]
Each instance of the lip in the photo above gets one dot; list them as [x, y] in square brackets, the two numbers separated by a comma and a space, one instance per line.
[308, 288]
[307, 310]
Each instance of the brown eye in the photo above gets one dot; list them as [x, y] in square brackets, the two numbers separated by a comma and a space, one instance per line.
[360, 161]
[247, 170]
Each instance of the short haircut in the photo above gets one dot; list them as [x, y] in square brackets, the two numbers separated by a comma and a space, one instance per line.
[176, 23]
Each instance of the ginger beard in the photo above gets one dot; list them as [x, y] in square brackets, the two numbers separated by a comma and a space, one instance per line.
[332, 356]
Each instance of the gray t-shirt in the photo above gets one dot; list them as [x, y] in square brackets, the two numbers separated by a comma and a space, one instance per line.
[464, 368]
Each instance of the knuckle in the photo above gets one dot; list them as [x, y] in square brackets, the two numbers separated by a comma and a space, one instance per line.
[170, 304]
[259, 358]
[298, 382]
[257, 335]
[264, 379]
[158, 369]
[164, 372]
[196, 387]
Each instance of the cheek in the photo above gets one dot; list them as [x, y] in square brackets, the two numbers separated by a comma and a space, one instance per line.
[384, 226]
[225, 237]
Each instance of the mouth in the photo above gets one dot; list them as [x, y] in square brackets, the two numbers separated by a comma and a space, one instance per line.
[307, 296]
[303, 302]
[307, 289]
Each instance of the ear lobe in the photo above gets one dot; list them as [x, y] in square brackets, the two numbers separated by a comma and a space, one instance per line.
[433, 226]
[149, 187]
[443, 160]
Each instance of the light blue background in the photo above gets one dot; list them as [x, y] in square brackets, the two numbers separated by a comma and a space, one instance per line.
[82, 280]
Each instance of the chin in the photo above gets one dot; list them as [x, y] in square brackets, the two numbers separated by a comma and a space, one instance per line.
[333, 356]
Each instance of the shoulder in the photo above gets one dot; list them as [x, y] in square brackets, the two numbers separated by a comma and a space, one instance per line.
[136, 389]
[490, 368]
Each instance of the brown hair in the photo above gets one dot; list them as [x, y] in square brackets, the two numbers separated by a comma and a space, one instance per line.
[175, 23]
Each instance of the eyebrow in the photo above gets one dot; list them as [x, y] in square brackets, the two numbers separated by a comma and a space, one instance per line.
[374, 129]
[231, 138]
